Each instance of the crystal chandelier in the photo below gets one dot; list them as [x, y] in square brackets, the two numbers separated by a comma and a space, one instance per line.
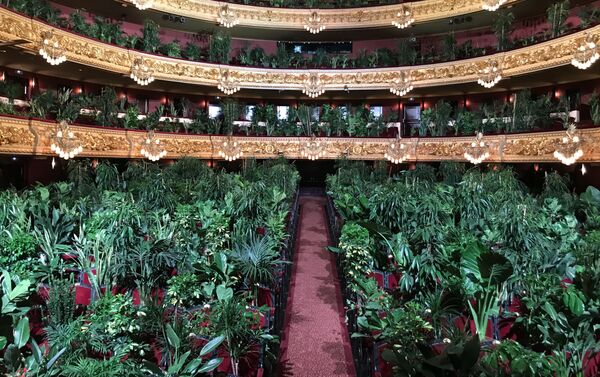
[312, 86]
[141, 72]
[227, 84]
[64, 143]
[490, 75]
[397, 152]
[143, 4]
[227, 18]
[404, 18]
[402, 85]
[312, 150]
[492, 5]
[230, 150]
[151, 147]
[586, 54]
[313, 24]
[569, 150]
[477, 151]
[51, 50]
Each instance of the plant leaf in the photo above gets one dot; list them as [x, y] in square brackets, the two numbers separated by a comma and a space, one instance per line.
[21, 332]
[212, 345]
[172, 337]
[223, 293]
[210, 365]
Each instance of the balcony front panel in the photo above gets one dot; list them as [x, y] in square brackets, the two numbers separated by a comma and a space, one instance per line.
[116, 59]
[20, 136]
[334, 19]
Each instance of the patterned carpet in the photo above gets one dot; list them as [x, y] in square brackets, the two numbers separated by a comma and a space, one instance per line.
[315, 341]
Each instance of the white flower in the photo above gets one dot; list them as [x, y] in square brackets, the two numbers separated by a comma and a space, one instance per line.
[495, 342]
[206, 306]
[446, 340]
[428, 311]
[141, 314]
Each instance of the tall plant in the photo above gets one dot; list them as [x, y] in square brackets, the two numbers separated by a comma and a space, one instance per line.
[557, 14]
[219, 47]
[502, 27]
[595, 108]
[150, 38]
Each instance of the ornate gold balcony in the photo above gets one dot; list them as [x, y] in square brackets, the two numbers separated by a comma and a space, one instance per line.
[334, 19]
[82, 50]
[34, 137]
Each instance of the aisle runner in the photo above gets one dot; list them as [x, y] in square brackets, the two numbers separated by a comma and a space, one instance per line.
[315, 341]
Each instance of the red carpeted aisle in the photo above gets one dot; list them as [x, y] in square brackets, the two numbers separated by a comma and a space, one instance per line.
[315, 341]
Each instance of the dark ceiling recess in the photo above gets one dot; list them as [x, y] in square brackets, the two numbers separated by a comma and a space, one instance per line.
[173, 18]
[460, 20]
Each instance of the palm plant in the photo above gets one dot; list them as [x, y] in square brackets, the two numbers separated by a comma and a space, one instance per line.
[256, 258]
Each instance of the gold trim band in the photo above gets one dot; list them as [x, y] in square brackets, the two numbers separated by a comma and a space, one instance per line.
[20, 136]
[334, 19]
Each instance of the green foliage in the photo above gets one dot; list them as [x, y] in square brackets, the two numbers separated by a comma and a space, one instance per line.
[557, 14]
[595, 108]
[503, 21]
[469, 244]
[18, 251]
[356, 246]
[219, 48]
[106, 107]
[150, 38]
[61, 302]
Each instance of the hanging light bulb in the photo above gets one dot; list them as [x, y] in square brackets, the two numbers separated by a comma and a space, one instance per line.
[404, 18]
[586, 54]
[227, 84]
[569, 151]
[143, 4]
[397, 152]
[53, 163]
[583, 169]
[151, 147]
[230, 150]
[402, 85]
[492, 5]
[64, 142]
[50, 49]
[227, 18]
[313, 24]
[141, 72]
[312, 86]
[312, 149]
[490, 75]
[477, 151]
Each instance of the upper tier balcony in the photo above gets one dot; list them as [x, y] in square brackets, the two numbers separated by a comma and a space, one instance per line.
[28, 34]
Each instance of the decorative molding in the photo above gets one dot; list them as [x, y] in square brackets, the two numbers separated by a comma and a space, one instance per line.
[86, 51]
[334, 19]
[20, 136]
